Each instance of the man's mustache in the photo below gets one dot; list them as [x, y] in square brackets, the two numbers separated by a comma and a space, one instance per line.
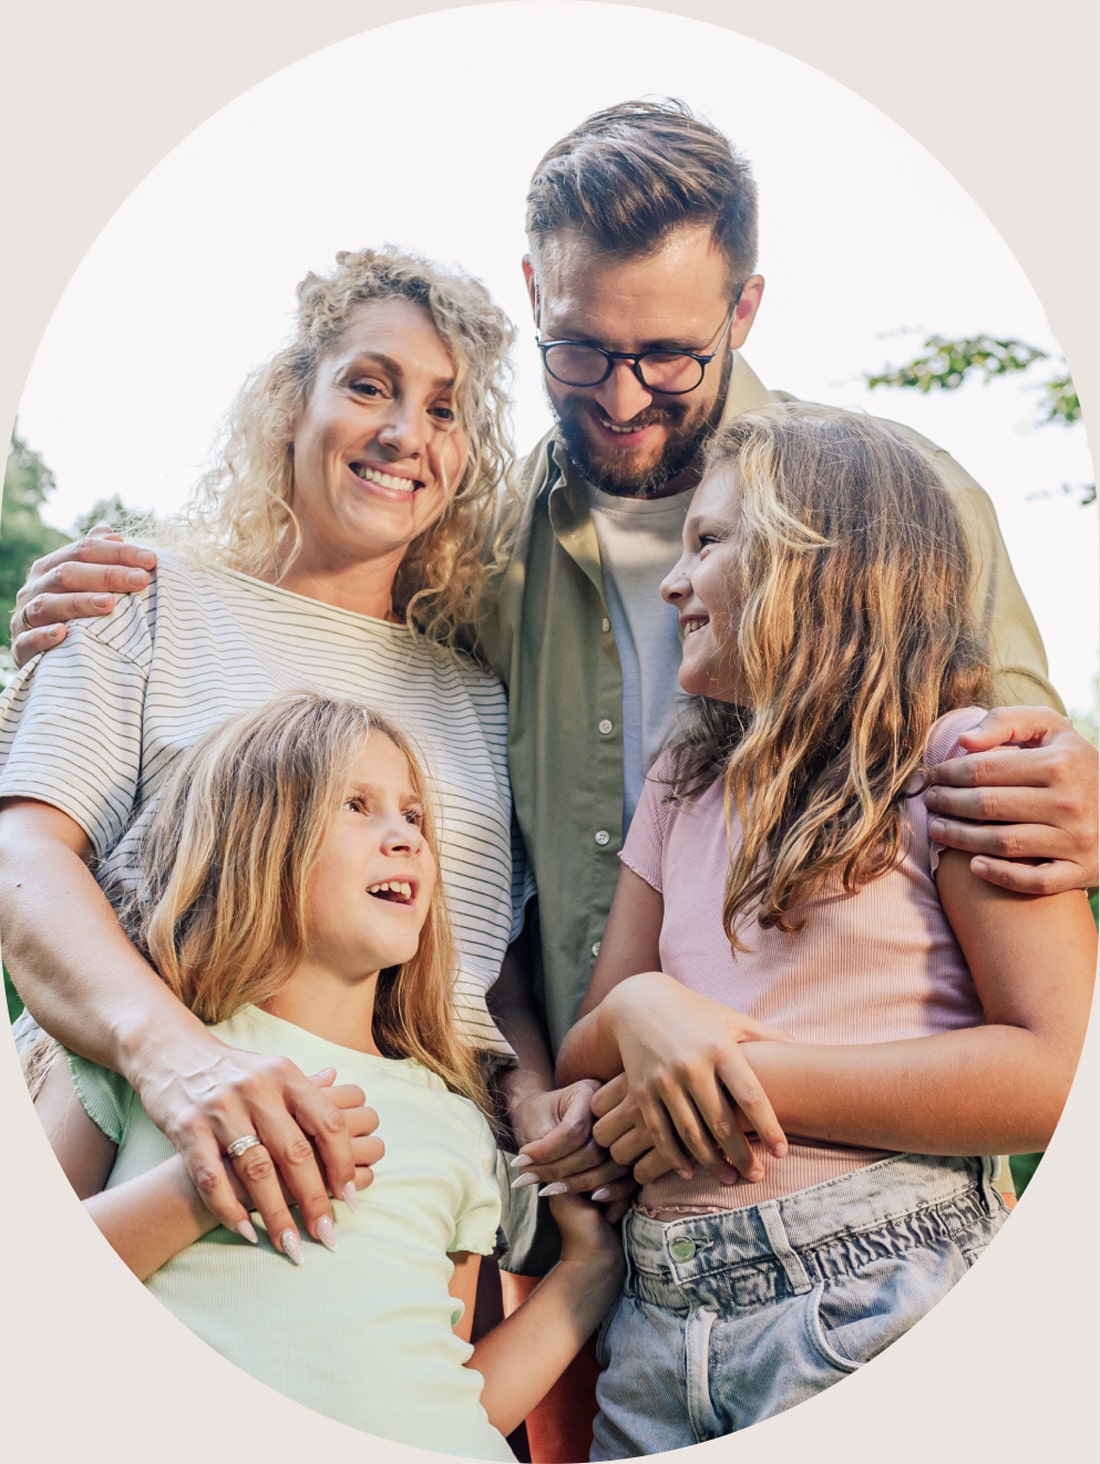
[669, 415]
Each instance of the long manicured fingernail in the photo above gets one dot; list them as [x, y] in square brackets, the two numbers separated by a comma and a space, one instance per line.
[326, 1232]
[291, 1246]
[351, 1196]
[101, 602]
[525, 1179]
[322, 1074]
[603, 1193]
[247, 1231]
[521, 1161]
[559, 1187]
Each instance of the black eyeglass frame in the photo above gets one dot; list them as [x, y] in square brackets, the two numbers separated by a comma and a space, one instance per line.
[636, 358]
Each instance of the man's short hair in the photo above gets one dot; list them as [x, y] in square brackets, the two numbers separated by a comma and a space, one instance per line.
[628, 176]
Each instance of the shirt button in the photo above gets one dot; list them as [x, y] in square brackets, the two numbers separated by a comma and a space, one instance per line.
[605, 625]
[682, 1250]
[607, 726]
[596, 949]
[602, 837]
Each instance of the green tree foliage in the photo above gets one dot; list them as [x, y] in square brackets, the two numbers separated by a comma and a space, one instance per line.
[28, 482]
[111, 511]
[945, 364]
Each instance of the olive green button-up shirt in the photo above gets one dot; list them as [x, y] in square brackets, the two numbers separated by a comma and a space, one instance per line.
[549, 639]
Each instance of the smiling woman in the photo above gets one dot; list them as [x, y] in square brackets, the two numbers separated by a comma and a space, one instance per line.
[379, 452]
[338, 545]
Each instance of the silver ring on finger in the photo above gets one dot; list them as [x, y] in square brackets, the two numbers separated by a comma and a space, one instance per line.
[242, 1145]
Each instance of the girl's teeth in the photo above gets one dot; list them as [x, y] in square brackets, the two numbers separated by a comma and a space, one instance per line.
[393, 887]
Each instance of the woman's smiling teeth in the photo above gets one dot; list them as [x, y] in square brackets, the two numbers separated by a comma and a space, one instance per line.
[384, 480]
[691, 626]
[392, 889]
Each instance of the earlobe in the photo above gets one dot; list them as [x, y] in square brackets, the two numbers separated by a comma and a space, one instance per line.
[745, 314]
[532, 285]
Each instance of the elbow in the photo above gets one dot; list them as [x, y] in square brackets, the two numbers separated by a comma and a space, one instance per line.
[1042, 1100]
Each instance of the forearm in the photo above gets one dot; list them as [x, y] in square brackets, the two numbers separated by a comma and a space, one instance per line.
[152, 1217]
[512, 1005]
[981, 1090]
[591, 1046]
[522, 1357]
[73, 964]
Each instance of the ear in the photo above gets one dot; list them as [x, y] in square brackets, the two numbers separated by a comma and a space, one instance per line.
[745, 313]
[532, 285]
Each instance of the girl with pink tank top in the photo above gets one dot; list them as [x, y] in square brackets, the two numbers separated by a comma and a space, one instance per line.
[810, 1017]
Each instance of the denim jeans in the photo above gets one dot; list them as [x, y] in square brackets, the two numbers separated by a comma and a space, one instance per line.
[727, 1319]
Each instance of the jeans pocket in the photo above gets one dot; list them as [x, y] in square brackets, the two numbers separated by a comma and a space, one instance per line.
[852, 1318]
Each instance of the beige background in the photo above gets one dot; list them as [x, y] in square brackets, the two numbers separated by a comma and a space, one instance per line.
[92, 97]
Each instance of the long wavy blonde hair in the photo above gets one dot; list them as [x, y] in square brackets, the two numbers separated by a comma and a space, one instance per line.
[221, 906]
[855, 634]
[241, 512]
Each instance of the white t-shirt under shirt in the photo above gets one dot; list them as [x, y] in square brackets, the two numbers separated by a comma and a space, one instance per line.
[94, 726]
[363, 1334]
[634, 535]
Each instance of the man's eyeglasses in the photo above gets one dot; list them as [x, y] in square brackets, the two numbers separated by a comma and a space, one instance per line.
[674, 373]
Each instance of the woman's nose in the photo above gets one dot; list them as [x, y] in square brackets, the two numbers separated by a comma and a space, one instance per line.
[402, 432]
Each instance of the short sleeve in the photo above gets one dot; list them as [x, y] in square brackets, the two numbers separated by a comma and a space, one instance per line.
[476, 1225]
[523, 880]
[71, 722]
[107, 1098]
[644, 848]
[943, 744]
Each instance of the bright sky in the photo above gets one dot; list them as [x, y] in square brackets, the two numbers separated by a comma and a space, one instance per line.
[867, 244]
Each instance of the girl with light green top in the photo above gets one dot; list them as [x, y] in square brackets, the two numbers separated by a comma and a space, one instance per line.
[289, 897]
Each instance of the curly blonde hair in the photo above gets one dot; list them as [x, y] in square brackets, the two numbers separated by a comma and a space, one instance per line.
[855, 634]
[241, 510]
[221, 907]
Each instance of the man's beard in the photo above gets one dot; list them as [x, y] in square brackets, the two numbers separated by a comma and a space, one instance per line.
[614, 473]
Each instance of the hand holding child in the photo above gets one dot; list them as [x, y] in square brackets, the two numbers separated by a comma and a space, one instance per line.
[694, 1094]
[565, 1159]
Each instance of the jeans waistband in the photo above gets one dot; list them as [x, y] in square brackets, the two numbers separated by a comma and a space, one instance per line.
[751, 1255]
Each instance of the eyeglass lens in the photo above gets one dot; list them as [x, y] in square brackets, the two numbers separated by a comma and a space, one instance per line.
[586, 366]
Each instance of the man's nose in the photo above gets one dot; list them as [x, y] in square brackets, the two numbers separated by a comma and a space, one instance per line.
[622, 395]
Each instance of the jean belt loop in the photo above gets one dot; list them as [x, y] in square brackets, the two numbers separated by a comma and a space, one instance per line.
[785, 1253]
[626, 1227]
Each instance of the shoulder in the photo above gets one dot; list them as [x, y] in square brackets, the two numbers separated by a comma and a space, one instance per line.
[537, 469]
[943, 740]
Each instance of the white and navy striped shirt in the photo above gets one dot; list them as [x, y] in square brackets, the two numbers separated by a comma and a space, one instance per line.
[94, 726]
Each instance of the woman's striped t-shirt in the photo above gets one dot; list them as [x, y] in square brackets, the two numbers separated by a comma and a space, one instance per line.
[94, 725]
